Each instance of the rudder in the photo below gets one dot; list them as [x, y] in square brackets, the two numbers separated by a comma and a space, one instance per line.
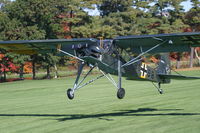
[164, 66]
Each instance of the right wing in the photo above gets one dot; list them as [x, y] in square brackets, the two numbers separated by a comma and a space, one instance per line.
[177, 42]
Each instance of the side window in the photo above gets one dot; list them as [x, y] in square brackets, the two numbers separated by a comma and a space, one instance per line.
[124, 54]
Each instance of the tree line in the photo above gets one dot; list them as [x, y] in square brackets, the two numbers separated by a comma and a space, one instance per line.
[52, 19]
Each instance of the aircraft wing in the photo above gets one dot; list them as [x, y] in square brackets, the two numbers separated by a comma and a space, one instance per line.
[180, 77]
[179, 42]
[46, 46]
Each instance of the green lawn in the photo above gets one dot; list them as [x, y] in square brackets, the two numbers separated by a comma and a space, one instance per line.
[41, 106]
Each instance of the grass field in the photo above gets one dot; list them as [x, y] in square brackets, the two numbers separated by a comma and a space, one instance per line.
[41, 106]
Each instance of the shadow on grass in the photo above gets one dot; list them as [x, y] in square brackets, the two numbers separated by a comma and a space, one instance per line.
[102, 116]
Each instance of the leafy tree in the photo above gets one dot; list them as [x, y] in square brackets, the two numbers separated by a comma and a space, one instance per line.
[27, 20]
[193, 16]
[13, 29]
[47, 61]
[195, 3]
[19, 60]
[4, 67]
[142, 4]
[113, 6]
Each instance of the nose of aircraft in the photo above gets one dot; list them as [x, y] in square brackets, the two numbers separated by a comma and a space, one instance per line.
[96, 49]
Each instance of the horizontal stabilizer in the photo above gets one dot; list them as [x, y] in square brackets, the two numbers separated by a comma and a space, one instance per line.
[180, 77]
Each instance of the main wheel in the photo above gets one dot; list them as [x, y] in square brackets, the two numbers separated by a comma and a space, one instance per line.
[121, 93]
[70, 94]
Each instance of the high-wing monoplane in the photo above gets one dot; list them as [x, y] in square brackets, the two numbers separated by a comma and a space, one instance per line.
[121, 56]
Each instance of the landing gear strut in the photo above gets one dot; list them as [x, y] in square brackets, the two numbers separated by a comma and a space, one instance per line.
[78, 84]
[158, 88]
[70, 92]
[120, 91]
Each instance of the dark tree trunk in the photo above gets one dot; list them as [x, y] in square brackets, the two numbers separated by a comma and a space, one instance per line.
[191, 57]
[4, 75]
[34, 75]
[178, 60]
[1, 76]
[33, 67]
[48, 72]
[21, 72]
[56, 71]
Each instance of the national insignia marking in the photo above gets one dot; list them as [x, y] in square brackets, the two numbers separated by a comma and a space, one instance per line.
[143, 71]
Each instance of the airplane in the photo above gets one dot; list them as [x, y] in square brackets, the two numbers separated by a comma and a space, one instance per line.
[121, 56]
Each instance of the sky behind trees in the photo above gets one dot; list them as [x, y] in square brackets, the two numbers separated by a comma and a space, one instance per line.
[187, 6]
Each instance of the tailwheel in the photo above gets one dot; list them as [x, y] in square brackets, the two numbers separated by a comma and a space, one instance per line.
[161, 91]
[159, 88]
[121, 93]
[70, 94]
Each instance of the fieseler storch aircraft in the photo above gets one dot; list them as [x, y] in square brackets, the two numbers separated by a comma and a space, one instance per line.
[120, 56]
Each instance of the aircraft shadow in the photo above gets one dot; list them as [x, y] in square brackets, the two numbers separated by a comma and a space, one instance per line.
[102, 116]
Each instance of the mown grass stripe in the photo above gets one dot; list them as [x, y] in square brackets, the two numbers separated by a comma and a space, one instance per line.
[42, 106]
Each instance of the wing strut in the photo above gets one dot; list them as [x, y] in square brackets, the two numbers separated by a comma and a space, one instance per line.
[70, 54]
[109, 77]
[143, 53]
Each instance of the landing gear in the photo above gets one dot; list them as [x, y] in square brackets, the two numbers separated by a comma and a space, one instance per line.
[121, 93]
[70, 94]
[161, 91]
[120, 90]
[78, 84]
[158, 88]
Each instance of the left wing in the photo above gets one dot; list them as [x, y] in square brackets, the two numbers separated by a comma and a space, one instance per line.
[179, 42]
[46, 46]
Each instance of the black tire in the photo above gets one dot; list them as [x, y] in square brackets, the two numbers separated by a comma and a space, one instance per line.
[161, 91]
[121, 93]
[70, 94]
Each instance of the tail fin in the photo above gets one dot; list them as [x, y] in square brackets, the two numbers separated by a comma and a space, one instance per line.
[164, 66]
[164, 72]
